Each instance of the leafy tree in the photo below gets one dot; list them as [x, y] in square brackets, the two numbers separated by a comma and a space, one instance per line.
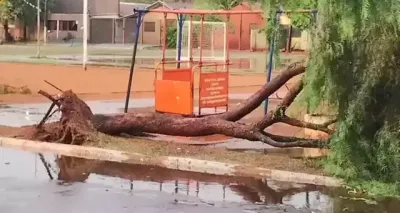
[22, 10]
[217, 4]
[8, 11]
[353, 69]
[172, 33]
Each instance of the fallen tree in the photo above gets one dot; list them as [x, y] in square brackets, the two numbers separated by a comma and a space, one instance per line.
[78, 124]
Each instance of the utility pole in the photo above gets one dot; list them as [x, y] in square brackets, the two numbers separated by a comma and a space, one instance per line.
[38, 29]
[85, 33]
[45, 23]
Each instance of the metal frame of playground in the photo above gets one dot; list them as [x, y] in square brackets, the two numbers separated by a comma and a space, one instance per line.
[174, 88]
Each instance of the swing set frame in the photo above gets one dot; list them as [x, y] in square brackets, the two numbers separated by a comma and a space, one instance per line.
[174, 87]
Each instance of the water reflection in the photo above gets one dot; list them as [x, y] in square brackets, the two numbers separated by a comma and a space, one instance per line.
[87, 183]
[189, 183]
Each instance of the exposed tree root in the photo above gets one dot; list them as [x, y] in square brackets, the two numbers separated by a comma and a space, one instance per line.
[78, 124]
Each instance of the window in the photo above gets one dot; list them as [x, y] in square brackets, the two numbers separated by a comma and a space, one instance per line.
[68, 26]
[52, 24]
[149, 26]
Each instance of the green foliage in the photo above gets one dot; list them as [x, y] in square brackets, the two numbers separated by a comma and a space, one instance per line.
[354, 67]
[301, 21]
[20, 9]
[7, 10]
[172, 34]
[374, 189]
[217, 4]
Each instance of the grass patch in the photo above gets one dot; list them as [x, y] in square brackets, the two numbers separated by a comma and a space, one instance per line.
[2, 106]
[157, 148]
[375, 189]
[7, 89]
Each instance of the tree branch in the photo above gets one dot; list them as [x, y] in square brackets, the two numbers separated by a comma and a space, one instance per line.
[311, 143]
[281, 138]
[268, 89]
[276, 115]
[308, 125]
[292, 94]
[47, 95]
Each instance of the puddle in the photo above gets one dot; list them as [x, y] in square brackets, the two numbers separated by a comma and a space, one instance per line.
[28, 114]
[95, 186]
[81, 185]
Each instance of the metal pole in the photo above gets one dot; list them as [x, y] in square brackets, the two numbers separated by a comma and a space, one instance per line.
[289, 41]
[227, 55]
[190, 43]
[38, 28]
[164, 45]
[128, 92]
[45, 23]
[180, 39]
[85, 34]
[271, 58]
[200, 56]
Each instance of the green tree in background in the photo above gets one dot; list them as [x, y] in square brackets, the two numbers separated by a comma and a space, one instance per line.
[172, 33]
[8, 11]
[22, 10]
[217, 4]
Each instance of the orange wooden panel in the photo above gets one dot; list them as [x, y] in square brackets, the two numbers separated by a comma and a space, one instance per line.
[178, 74]
[174, 97]
[213, 89]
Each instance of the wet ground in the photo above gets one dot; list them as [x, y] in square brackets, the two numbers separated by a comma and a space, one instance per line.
[79, 185]
[29, 183]
[16, 115]
[76, 185]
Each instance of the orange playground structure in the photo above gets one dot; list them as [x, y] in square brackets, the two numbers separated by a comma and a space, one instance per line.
[175, 80]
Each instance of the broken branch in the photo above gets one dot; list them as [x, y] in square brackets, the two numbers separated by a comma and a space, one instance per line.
[308, 125]
[259, 97]
[54, 86]
[47, 95]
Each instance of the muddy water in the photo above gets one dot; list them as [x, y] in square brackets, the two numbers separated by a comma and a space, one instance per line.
[79, 185]
[76, 185]
[72, 185]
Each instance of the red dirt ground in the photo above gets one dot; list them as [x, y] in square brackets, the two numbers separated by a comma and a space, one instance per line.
[107, 83]
[97, 83]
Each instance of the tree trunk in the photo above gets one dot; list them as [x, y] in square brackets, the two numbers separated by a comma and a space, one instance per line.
[78, 124]
[25, 36]
[6, 28]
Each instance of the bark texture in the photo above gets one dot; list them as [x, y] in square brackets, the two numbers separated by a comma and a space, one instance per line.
[78, 124]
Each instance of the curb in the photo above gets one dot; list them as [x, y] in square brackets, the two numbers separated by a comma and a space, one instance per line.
[177, 163]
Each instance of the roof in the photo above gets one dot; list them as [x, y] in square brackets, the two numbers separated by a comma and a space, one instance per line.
[181, 5]
[131, 14]
[105, 17]
[126, 9]
[252, 6]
